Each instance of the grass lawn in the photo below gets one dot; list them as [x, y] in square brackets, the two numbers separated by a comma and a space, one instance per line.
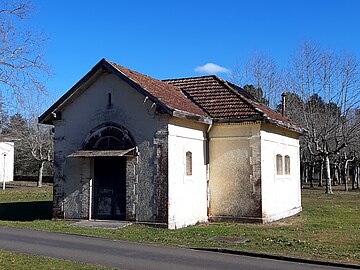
[328, 229]
[10, 260]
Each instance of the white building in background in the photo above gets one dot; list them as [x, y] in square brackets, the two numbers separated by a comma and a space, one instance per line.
[6, 159]
[173, 152]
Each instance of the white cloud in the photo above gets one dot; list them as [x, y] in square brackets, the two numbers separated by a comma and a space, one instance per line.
[211, 68]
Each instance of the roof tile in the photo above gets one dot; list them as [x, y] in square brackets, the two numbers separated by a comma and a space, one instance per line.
[215, 97]
[202, 98]
[169, 95]
[224, 100]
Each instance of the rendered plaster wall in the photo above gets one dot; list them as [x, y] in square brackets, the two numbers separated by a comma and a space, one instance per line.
[6, 161]
[187, 193]
[89, 110]
[235, 172]
[281, 194]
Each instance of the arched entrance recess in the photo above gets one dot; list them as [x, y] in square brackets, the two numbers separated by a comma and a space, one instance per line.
[109, 136]
[110, 142]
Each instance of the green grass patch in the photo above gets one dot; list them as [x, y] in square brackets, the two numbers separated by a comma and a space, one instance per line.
[11, 260]
[23, 201]
[25, 192]
[328, 229]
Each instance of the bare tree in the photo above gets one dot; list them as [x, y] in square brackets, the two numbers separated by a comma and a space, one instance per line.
[303, 70]
[22, 66]
[346, 169]
[261, 72]
[322, 97]
[34, 144]
[40, 144]
[328, 85]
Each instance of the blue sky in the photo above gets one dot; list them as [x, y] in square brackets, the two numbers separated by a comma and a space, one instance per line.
[169, 39]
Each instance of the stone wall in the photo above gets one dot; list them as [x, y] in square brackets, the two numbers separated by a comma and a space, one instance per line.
[141, 119]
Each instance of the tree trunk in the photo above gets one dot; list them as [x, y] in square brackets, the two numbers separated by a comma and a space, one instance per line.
[321, 174]
[357, 176]
[337, 175]
[327, 175]
[40, 173]
[301, 175]
[346, 175]
[353, 177]
[311, 174]
[306, 172]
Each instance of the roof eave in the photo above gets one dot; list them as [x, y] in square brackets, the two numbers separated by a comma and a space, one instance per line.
[259, 118]
[285, 125]
[193, 117]
[237, 120]
[50, 114]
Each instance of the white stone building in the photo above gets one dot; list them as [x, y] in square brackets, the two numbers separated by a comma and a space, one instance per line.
[6, 159]
[174, 152]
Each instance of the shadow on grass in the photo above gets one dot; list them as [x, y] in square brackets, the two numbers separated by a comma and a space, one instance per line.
[26, 211]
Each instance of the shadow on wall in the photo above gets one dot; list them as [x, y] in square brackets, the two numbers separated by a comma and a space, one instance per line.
[26, 211]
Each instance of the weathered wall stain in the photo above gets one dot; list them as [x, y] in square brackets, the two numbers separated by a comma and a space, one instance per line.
[235, 172]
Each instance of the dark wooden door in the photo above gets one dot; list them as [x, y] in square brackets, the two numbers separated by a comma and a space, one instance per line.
[110, 188]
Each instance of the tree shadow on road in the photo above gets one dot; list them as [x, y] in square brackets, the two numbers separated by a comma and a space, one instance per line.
[26, 211]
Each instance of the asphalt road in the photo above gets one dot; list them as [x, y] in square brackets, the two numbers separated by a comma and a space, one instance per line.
[126, 255]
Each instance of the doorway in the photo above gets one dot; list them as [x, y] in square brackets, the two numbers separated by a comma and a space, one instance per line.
[110, 188]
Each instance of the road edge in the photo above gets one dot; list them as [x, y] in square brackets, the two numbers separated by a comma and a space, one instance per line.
[279, 257]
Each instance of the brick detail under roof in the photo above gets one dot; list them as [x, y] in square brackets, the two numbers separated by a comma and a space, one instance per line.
[216, 98]
[167, 94]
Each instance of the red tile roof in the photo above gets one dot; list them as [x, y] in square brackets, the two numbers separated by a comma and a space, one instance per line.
[218, 100]
[204, 99]
[170, 98]
[223, 100]
[169, 95]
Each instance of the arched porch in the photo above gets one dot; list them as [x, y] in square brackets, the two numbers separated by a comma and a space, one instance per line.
[108, 149]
